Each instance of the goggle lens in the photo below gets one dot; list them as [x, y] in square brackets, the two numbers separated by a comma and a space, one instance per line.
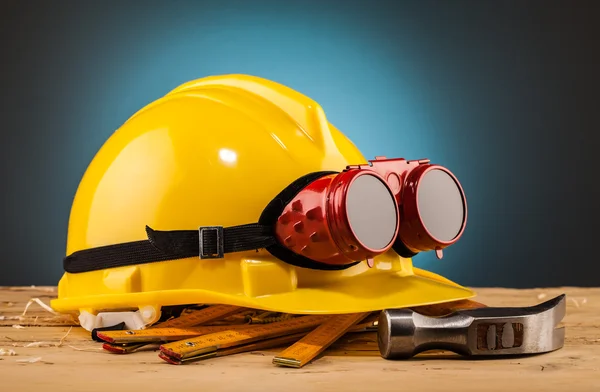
[440, 204]
[372, 212]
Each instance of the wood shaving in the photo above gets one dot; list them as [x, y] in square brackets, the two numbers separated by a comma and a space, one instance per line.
[50, 344]
[2, 318]
[575, 302]
[58, 318]
[30, 360]
[4, 352]
[40, 344]
[64, 337]
[18, 326]
[42, 304]
[86, 349]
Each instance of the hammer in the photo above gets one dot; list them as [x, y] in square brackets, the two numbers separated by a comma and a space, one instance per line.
[472, 330]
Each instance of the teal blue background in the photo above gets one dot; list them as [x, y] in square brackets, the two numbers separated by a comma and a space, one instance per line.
[505, 94]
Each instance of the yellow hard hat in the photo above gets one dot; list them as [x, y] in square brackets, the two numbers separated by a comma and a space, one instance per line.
[237, 190]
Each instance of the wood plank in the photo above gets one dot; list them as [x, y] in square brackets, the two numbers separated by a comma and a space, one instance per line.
[351, 364]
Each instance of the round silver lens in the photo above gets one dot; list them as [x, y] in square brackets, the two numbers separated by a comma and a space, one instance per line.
[440, 205]
[371, 211]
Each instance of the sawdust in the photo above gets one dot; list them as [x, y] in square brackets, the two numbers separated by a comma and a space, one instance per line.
[541, 296]
[18, 326]
[4, 352]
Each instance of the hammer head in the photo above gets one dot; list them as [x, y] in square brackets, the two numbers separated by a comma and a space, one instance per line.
[486, 331]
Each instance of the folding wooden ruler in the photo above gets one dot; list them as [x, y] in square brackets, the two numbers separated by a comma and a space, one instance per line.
[311, 335]
[127, 341]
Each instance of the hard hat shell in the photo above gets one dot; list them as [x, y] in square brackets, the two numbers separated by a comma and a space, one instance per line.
[215, 151]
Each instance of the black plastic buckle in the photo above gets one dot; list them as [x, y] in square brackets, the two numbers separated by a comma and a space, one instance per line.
[220, 242]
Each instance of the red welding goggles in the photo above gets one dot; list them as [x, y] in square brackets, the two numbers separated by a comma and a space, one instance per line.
[323, 220]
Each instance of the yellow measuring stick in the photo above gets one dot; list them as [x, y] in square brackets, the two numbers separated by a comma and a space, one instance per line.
[159, 335]
[123, 348]
[261, 345]
[314, 343]
[188, 349]
[200, 316]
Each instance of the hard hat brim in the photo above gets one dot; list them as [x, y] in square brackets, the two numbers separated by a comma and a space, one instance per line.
[363, 293]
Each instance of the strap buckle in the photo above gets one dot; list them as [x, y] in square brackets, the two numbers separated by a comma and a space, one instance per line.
[218, 230]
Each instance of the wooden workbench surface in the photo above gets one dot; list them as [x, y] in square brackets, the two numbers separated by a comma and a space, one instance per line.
[77, 363]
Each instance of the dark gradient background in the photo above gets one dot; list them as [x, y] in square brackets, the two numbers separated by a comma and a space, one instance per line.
[505, 94]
